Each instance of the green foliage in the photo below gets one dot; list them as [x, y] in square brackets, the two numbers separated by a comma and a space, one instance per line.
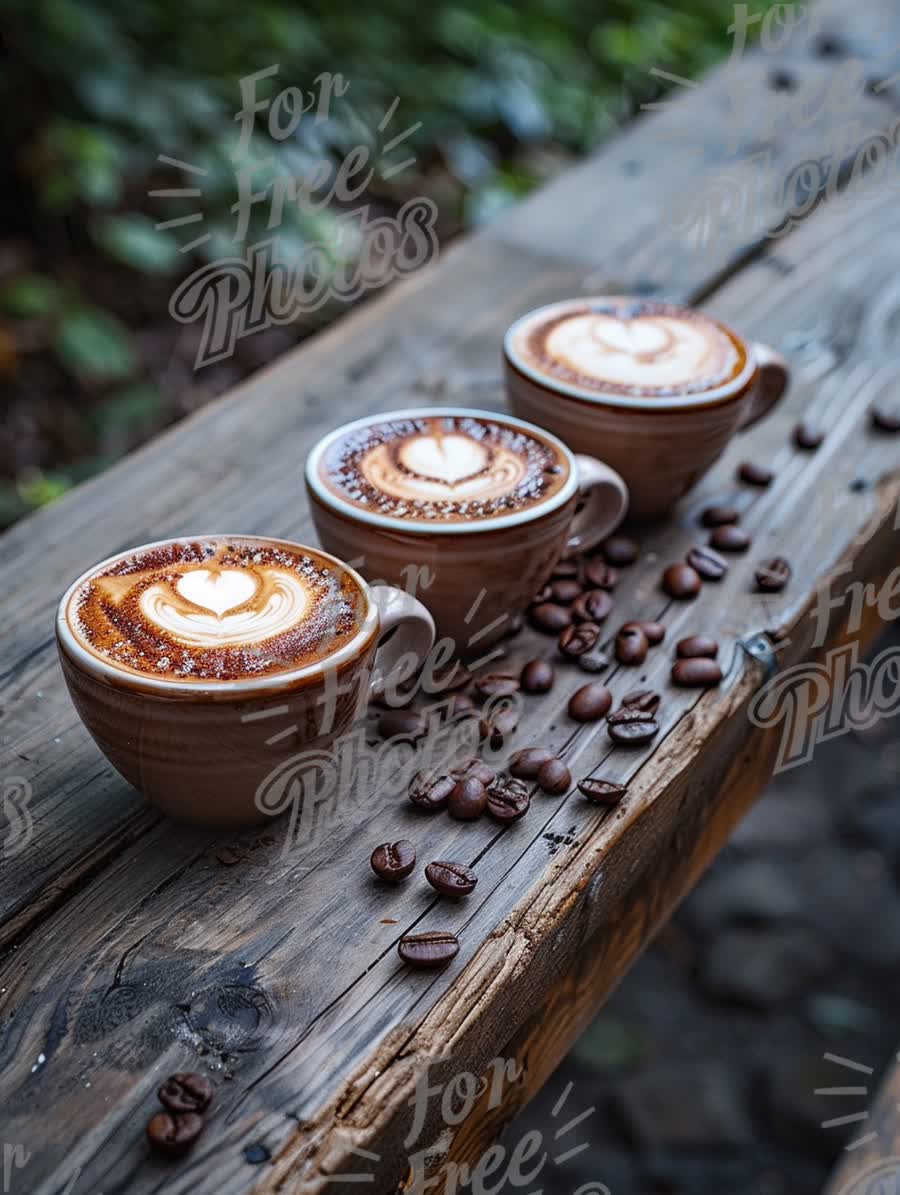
[94, 345]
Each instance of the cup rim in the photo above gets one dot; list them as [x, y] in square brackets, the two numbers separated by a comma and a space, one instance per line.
[734, 388]
[211, 690]
[494, 523]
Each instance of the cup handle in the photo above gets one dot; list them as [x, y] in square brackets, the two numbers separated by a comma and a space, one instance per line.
[605, 507]
[413, 629]
[773, 380]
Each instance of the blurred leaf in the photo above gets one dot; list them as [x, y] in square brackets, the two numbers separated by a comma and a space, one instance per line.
[137, 404]
[612, 1045]
[93, 344]
[836, 1015]
[30, 295]
[135, 241]
[38, 488]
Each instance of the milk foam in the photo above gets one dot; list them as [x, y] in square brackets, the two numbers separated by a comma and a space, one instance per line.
[651, 349]
[216, 610]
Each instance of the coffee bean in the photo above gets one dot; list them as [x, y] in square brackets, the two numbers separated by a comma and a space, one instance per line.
[496, 684]
[186, 1091]
[602, 792]
[590, 702]
[754, 474]
[697, 672]
[429, 790]
[515, 625]
[681, 582]
[655, 631]
[600, 575]
[631, 727]
[471, 767]
[554, 777]
[468, 800]
[460, 705]
[593, 661]
[808, 437]
[401, 724]
[696, 645]
[645, 700]
[565, 591]
[549, 617]
[631, 645]
[499, 725]
[576, 640]
[885, 418]
[433, 949]
[174, 1134]
[719, 516]
[730, 539]
[451, 879]
[537, 676]
[542, 595]
[564, 569]
[526, 764]
[620, 551]
[592, 606]
[772, 575]
[394, 861]
[709, 564]
[508, 799]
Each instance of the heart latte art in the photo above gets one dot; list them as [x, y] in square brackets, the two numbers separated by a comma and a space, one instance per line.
[216, 610]
[442, 469]
[640, 349]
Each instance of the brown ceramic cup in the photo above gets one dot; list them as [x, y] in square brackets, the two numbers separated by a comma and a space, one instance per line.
[206, 751]
[475, 575]
[661, 445]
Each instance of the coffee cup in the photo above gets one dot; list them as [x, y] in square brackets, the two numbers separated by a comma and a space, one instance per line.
[200, 665]
[655, 389]
[469, 507]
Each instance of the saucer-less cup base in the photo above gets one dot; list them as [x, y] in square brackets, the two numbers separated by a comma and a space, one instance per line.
[472, 579]
[218, 756]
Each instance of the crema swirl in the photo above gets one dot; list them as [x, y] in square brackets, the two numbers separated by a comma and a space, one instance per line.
[633, 348]
[209, 610]
[442, 468]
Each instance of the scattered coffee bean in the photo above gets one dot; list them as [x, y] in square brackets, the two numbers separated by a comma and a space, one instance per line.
[554, 777]
[696, 645]
[590, 702]
[730, 539]
[526, 764]
[460, 705]
[885, 419]
[576, 640]
[186, 1091]
[631, 645]
[451, 879]
[709, 564]
[401, 724]
[565, 569]
[473, 767]
[620, 551]
[719, 516]
[537, 676]
[468, 800]
[681, 582]
[772, 575]
[433, 949]
[394, 861]
[496, 684]
[600, 575]
[174, 1134]
[227, 857]
[592, 606]
[631, 727]
[508, 799]
[516, 623]
[655, 631]
[549, 617]
[602, 792]
[429, 790]
[753, 474]
[542, 595]
[565, 591]
[593, 661]
[808, 437]
[645, 700]
[696, 673]
[499, 725]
